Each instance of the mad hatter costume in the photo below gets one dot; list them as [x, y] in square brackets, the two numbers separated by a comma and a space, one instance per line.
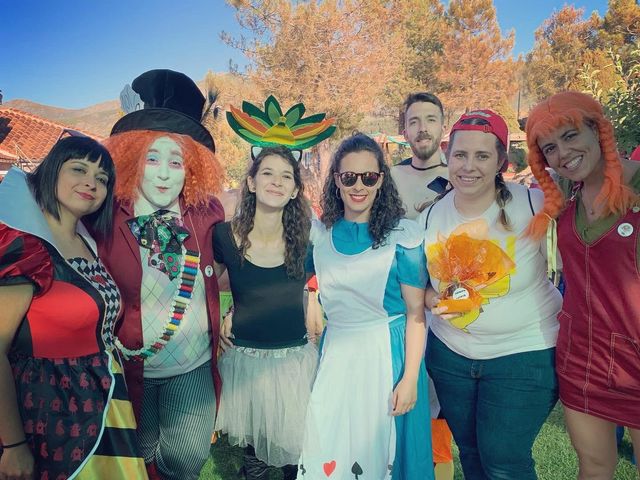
[161, 258]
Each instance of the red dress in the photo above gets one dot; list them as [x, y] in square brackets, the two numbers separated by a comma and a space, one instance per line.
[598, 349]
[70, 387]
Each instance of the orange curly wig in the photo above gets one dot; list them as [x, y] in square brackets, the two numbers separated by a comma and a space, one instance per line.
[576, 109]
[203, 172]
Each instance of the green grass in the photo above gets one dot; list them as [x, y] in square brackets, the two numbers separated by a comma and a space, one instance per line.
[555, 458]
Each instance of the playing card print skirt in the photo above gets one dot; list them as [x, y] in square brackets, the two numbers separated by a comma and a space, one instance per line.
[349, 430]
[78, 417]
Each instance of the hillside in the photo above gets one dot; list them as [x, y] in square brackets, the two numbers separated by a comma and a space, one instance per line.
[97, 119]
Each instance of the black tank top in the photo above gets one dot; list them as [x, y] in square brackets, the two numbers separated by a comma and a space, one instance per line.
[268, 309]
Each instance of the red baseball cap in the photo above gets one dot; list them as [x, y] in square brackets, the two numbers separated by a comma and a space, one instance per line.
[636, 154]
[495, 125]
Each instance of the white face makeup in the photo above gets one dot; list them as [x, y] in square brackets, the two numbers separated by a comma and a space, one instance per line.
[164, 174]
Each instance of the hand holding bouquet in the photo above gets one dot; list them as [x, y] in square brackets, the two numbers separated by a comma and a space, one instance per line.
[465, 263]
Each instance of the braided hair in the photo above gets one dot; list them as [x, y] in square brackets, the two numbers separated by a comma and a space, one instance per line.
[503, 194]
[576, 109]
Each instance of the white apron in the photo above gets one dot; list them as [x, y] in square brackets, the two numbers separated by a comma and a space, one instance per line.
[349, 431]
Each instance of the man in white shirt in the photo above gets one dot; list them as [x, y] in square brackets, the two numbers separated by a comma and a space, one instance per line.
[423, 129]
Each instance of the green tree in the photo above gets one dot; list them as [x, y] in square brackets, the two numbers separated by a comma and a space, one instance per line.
[232, 151]
[422, 26]
[622, 101]
[621, 28]
[518, 158]
[332, 55]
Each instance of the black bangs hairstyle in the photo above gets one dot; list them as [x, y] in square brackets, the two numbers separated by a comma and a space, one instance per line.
[387, 209]
[44, 180]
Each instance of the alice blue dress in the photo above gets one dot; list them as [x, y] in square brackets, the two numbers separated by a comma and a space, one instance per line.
[349, 430]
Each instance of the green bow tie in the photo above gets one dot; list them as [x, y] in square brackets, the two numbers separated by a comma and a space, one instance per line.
[163, 234]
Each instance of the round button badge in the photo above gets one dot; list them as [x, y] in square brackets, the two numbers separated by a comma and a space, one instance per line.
[460, 293]
[625, 229]
[208, 270]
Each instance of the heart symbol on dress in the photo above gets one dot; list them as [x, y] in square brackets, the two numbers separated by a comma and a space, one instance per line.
[329, 467]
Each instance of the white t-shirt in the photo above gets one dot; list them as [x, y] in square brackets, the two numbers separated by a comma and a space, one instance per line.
[523, 317]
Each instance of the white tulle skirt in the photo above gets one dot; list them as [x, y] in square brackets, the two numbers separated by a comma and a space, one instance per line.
[264, 399]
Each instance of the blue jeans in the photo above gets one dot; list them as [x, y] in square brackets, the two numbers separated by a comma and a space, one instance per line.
[495, 408]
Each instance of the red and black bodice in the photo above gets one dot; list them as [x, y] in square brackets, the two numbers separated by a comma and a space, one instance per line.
[62, 355]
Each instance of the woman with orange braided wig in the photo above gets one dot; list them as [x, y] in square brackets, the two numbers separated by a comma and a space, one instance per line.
[598, 227]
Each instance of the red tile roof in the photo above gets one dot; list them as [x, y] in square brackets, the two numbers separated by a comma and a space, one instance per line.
[27, 136]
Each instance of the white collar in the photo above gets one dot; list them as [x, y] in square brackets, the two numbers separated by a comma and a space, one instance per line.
[20, 211]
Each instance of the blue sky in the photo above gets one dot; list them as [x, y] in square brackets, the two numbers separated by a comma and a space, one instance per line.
[76, 53]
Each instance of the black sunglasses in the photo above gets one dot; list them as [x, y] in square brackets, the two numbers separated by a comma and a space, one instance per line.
[349, 179]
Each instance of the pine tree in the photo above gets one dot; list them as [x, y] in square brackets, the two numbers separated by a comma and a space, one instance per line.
[478, 69]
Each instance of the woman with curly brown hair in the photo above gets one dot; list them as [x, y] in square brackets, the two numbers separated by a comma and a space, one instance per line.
[268, 366]
[369, 412]
[598, 351]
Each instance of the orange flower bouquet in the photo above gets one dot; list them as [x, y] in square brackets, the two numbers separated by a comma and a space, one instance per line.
[465, 263]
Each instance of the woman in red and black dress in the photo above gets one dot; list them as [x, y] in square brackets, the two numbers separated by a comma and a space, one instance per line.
[64, 406]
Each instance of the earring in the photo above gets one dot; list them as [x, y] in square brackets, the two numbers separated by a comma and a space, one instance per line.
[338, 193]
[293, 196]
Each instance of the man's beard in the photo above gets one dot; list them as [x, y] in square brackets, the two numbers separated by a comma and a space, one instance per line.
[426, 152]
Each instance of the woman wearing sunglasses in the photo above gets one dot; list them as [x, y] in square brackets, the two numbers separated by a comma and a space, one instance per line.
[493, 364]
[368, 413]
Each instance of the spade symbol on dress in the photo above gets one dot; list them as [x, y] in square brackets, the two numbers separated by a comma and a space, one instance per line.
[356, 469]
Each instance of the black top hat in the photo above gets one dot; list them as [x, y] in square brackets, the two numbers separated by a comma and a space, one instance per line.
[172, 103]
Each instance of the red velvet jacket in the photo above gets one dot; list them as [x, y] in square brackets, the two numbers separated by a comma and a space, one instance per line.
[122, 257]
